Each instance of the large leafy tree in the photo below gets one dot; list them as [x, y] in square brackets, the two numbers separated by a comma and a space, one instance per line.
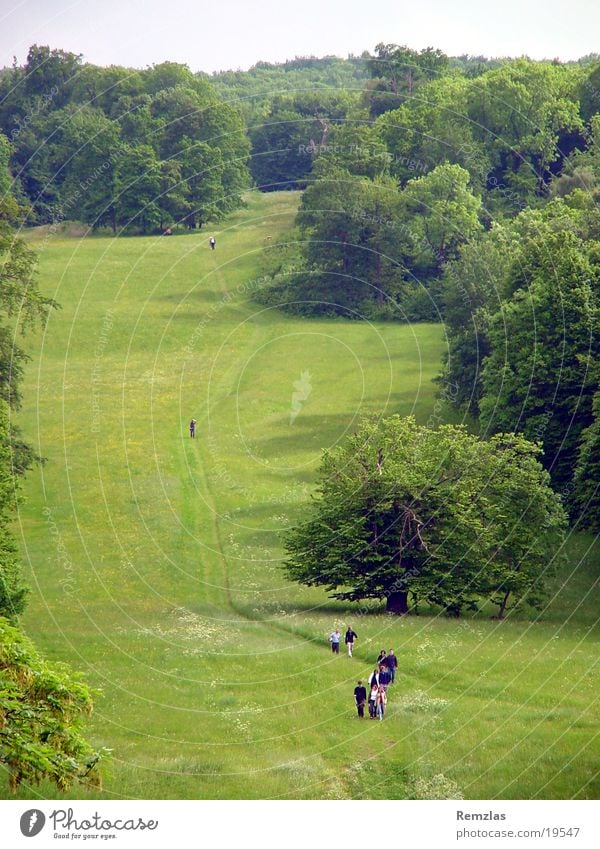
[589, 97]
[42, 708]
[137, 188]
[586, 478]
[41, 704]
[397, 72]
[202, 170]
[283, 147]
[12, 589]
[471, 290]
[486, 273]
[356, 147]
[537, 378]
[442, 213]
[368, 247]
[406, 512]
[432, 129]
[21, 306]
[198, 115]
[85, 147]
[50, 70]
[20, 299]
[351, 255]
[526, 116]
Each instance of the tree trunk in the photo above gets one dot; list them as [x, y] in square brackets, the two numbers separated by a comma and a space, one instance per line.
[502, 610]
[397, 602]
[379, 296]
[344, 254]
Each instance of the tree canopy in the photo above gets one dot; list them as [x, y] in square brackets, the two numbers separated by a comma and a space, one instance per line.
[42, 708]
[406, 513]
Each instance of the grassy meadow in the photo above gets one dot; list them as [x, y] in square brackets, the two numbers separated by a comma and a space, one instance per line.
[154, 559]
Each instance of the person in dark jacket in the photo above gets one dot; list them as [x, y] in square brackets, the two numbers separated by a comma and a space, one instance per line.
[384, 677]
[391, 662]
[360, 695]
[381, 657]
[349, 639]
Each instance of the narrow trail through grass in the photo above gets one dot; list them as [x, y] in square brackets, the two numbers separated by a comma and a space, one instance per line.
[155, 559]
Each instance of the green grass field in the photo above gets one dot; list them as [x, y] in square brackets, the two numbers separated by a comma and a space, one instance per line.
[154, 559]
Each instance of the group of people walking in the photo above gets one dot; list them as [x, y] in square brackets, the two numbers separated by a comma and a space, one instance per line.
[349, 638]
[374, 694]
[379, 680]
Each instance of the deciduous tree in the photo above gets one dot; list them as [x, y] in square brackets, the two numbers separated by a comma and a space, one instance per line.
[406, 512]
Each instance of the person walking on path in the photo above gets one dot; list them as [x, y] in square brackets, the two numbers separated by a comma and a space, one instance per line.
[391, 662]
[373, 701]
[193, 428]
[349, 639]
[381, 702]
[360, 694]
[384, 677]
[334, 639]
[374, 678]
[212, 243]
[381, 658]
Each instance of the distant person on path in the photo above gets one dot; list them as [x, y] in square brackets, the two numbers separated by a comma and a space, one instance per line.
[381, 657]
[391, 662]
[334, 639]
[193, 428]
[360, 694]
[349, 639]
[381, 702]
[212, 243]
[373, 701]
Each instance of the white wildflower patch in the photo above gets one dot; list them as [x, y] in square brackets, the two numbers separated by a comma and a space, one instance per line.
[189, 627]
[435, 652]
[420, 701]
[436, 787]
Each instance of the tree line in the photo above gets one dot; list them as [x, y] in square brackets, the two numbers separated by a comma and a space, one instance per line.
[466, 195]
[119, 147]
[42, 704]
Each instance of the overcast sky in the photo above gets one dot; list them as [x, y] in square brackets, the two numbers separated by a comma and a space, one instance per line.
[237, 33]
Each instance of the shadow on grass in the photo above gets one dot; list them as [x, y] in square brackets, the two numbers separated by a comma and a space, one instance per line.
[308, 432]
